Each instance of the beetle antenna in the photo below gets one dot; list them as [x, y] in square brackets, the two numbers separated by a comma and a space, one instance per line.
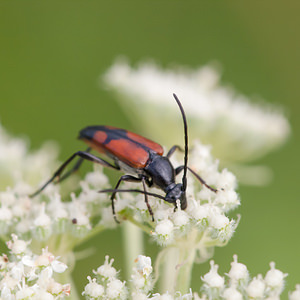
[133, 191]
[184, 184]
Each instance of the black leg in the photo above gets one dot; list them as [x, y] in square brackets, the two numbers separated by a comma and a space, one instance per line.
[113, 195]
[74, 169]
[84, 156]
[146, 199]
[180, 168]
[129, 178]
[173, 149]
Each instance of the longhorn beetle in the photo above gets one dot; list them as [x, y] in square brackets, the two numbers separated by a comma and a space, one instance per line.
[136, 155]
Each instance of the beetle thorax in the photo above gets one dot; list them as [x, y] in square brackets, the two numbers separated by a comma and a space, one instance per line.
[161, 171]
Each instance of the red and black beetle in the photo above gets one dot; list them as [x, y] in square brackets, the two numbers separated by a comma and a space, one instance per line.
[138, 156]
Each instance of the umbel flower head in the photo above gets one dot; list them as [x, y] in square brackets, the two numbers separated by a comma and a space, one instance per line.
[24, 275]
[235, 285]
[238, 130]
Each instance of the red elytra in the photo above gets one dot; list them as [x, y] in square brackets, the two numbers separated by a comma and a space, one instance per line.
[128, 147]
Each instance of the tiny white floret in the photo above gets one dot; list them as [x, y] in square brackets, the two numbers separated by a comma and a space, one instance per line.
[256, 287]
[212, 278]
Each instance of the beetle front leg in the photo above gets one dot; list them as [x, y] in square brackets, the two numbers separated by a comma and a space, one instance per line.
[146, 198]
[180, 168]
[130, 178]
[173, 149]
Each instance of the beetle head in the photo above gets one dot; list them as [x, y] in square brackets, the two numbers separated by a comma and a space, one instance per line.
[176, 192]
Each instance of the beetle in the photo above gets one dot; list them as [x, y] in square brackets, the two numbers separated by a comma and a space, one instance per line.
[139, 158]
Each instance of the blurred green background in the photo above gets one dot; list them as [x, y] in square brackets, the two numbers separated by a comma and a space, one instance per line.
[51, 57]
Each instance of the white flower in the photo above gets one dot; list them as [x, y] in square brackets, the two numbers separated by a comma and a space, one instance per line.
[141, 275]
[164, 231]
[93, 289]
[180, 218]
[5, 214]
[143, 265]
[295, 295]
[232, 293]
[107, 270]
[29, 276]
[212, 279]
[43, 220]
[96, 179]
[165, 296]
[256, 288]
[42, 224]
[17, 246]
[43, 295]
[116, 289]
[139, 296]
[274, 279]
[25, 293]
[217, 219]
[228, 199]
[238, 272]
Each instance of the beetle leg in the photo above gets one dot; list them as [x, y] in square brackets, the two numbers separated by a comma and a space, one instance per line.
[146, 199]
[129, 178]
[113, 195]
[180, 168]
[83, 155]
[74, 169]
[173, 149]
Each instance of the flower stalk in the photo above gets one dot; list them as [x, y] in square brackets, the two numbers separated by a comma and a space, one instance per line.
[132, 245]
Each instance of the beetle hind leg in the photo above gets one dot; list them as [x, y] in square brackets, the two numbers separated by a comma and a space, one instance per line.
[83, 155]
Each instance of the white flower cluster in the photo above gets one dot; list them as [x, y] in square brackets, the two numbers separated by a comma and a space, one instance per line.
[100, 287]
[24, 275]
[238, 130]
[142, 277]
[239, 285]
[105, 285]
[46, 215]
[204, 223]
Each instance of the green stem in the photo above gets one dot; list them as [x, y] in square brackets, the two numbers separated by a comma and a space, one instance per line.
[145, 228]
[177, 269]
[167, 270]
[133, 246]
[177, 262]
[187, 256]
